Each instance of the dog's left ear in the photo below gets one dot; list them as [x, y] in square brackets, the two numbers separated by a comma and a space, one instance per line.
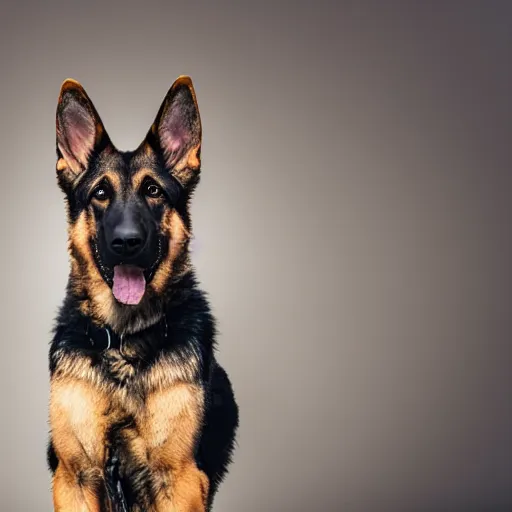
[176, 131]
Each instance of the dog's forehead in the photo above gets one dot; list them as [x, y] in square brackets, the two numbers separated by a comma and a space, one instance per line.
[112, 161]
[126, 164]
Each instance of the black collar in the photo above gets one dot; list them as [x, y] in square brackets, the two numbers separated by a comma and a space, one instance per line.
[105, 338]
[102, 338]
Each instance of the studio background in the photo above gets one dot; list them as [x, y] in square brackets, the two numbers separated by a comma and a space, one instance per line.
[352, 230]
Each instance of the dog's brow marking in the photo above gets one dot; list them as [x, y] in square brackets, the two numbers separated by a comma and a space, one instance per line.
[139, 176]
[114, 178]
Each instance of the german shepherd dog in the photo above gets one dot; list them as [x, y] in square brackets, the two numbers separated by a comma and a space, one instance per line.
[142, 416]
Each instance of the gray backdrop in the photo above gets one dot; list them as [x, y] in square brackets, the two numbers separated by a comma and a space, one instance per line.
[352, 231]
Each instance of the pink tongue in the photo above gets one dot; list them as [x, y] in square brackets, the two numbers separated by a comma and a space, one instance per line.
[129, 284]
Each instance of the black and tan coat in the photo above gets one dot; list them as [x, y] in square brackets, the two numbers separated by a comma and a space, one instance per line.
[142, 417]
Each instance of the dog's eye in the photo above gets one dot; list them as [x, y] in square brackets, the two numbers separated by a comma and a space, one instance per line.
[101, 193]
[153, 190]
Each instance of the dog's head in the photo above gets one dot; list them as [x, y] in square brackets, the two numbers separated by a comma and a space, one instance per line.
[128, 219]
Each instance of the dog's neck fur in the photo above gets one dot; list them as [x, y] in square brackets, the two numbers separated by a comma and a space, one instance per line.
[124, 319]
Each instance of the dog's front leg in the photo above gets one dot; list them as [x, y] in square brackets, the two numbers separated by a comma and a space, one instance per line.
[78, 435]
[170, 427]
[188, 490]
[78, 493]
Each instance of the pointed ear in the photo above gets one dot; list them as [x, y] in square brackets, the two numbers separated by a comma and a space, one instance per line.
[177, 131]
[79, 131]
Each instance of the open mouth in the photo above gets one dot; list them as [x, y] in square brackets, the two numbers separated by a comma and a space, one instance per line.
[129, 284]
[128, 281]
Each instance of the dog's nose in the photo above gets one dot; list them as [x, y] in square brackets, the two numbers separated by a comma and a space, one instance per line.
[127, 240]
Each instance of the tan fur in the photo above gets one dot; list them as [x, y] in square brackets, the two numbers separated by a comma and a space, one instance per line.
[170, 425]
[170, 369]
[99, 303]
[78, 407]
[188, 165]
[79, 425]
[61, 164]
[172, 223]
[70, 171]
[141, 174]
[147, 150]
[68, 496]
[168, 409]
[164, 437]
[114, 180]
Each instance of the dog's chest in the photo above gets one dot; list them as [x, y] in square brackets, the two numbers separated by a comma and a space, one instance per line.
[118, 368]
[154, 406]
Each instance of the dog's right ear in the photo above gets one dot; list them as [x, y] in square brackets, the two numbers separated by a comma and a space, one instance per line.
[79, 132]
